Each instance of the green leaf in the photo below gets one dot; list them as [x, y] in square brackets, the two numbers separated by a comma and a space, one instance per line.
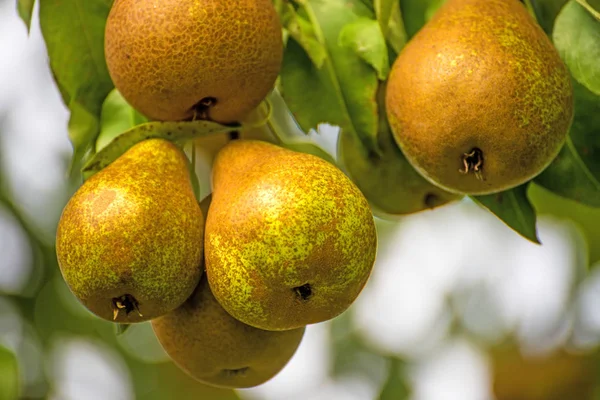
[577, 38]
[25, 9]
[74, 34]
[395, 387]
[365, 38]
[575, 173]
[9, 375]
[593, 7]
[341, 92]
[569, 177]
[390, 20]
[432, 8]
[173, 131]
[81, 123]
[351, 355]
[416, 12]
[514, 209]
[308, 148]
[595, 4]
[546, 11]
[301, 30]
[117, 117]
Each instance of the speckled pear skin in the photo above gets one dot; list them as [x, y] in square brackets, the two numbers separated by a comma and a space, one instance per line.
[290, 240]
[217, 349]
[165, 56]
[481, 74]
[134, 228]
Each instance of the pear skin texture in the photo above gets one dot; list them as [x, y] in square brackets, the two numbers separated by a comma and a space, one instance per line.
[216, 349]
[166, 56]
[134, 228]
[290, 240]
[480, 75]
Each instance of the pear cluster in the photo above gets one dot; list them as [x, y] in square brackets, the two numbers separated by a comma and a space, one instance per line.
[285, 240]
[288, 240]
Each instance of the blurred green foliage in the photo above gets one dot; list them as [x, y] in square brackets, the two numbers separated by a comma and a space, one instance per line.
[82, 78]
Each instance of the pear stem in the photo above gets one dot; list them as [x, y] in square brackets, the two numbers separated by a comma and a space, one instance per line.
[127, 303]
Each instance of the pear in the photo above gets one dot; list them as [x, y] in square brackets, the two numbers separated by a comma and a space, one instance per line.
[290, 240]
[388, 180]
[181, 59]
[215, 348]
[479, 100]
[130, 241]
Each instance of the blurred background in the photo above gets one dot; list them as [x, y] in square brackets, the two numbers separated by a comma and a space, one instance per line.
[458, 306]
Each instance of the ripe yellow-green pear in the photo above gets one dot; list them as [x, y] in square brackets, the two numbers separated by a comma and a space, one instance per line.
[290, 240]
[215, 348]
[130, 240]
[181, 59]
[388, 180]
[479, 100]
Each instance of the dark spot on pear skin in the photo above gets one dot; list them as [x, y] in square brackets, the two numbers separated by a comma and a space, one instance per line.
[236, 372]
[431, 200]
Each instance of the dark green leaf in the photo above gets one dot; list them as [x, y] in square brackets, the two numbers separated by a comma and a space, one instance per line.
[117, 117]
[303, 33]
[546, 11]
[9, 375]
[432, 8]
[569, 177]
[25, 9]
[416, 12]
[74, 34]
[595, 4]
[365, 38]
[577, 38]
[575, 173]
[396, 387]
[173, 131]
[514, 209]
[341, 92]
